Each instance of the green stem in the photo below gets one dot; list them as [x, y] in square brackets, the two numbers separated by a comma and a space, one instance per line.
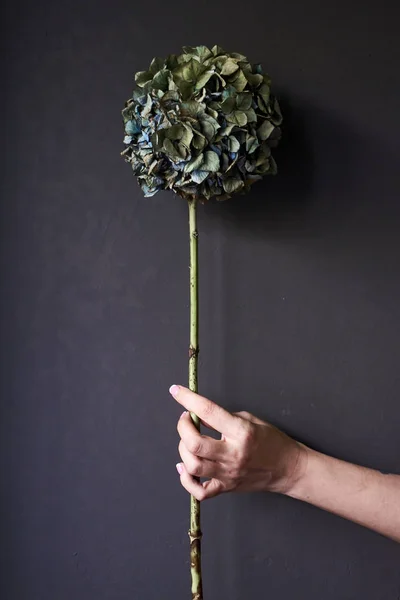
[195, 531]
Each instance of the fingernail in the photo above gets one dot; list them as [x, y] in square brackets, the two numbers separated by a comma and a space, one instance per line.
[174, 389]
[179, 468]
[183, 414]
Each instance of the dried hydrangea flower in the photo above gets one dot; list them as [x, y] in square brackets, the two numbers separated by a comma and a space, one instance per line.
[201, 124]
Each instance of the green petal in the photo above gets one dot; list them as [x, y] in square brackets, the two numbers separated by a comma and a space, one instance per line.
[212, 112]
[265, 130]
[156, 65]
[226, 130]
[228, 104]
[171, 151]
[192, 70]
[244, 101]
[217, 50]
[238, 56]
[209, 126]
[194, 164]
[261, 105]
[265, 93]
[233, 144]
[175, 132]
[203, 52]
[254, 79]
[250, 166]
[199, 141]
[142, 77]
[239, 81]
[189, 49]
[251, 116]
[185, 88]
[187, 136]
[171, 62]
[238, 118]
[224, 162]
[170, 96]
[203, 79]
[229, 67]
[232, 185]
[211, 161]
[160, 80]
[183, 151]
[191, 108]
[251, 144]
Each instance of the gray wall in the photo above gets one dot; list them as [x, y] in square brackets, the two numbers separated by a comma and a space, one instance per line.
[300, 303]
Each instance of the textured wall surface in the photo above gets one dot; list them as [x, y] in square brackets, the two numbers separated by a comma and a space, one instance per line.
[300, 303]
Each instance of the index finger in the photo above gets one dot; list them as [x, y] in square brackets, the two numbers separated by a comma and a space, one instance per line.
[220, 419]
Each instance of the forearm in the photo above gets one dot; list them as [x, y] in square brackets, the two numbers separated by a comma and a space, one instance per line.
[362, 495]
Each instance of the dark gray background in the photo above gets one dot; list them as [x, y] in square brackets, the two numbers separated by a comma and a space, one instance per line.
[300, 302]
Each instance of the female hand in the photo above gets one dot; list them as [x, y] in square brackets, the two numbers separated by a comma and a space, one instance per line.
[251, 455]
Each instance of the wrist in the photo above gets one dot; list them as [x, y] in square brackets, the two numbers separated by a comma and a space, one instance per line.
[300, 472]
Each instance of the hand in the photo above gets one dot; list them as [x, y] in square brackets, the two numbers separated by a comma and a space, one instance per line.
[250, 456]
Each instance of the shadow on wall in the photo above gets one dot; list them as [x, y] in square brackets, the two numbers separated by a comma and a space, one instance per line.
[284, 198]
[335, 203]
[334, 182]
[278, 199]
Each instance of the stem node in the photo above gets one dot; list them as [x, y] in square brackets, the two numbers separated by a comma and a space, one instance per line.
[193, 352]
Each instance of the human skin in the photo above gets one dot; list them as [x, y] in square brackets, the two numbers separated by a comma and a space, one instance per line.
[253, 455]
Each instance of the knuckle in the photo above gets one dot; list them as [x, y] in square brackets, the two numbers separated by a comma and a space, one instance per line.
[244, 414]
[201, 494]
[209, 409]
[241, 459]
[194, 445]
[194, 467]
[247, 433]
[234, 472]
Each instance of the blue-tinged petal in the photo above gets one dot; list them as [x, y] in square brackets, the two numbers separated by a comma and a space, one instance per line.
[142, 99]
[199, 176]
[147, 191]
[131, 128]
[179, 166]
[216, 149]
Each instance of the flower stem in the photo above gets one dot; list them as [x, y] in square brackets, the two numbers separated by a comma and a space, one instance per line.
[195, 531]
